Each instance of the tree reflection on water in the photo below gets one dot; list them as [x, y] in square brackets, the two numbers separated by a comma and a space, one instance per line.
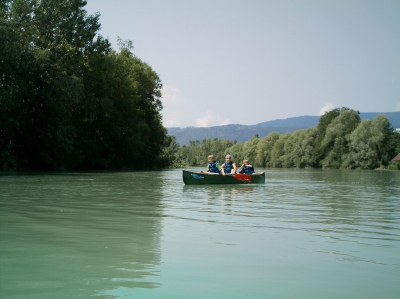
[78, 235]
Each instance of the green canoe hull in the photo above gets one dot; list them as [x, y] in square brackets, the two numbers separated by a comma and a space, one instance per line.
[196, 178]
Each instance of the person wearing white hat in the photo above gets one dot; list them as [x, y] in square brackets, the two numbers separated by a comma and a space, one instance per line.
[228, 167]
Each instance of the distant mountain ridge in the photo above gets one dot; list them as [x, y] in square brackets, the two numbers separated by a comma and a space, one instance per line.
[305, 121]
[245, 132]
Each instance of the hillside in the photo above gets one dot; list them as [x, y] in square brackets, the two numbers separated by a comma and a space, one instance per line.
[244, 133]
[298, 122]
[311, 121]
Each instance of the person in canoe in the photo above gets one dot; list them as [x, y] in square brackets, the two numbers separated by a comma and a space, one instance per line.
[213, 166]
[228, 167]
[246, 167]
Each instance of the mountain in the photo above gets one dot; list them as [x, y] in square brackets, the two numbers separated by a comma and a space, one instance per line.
[243, 133]
[394, 117]
[306, 121]
[311, 121]
[231, 132]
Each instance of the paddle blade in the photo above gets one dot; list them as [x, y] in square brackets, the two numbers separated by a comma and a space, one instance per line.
[242, 177]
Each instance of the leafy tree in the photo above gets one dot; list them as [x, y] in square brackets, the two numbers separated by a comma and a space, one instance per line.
[169, 154]
[369, 144]
[362, 154]
[264, 148]
[322, 150]
[16, 66]
[278, 151]
[334, 143]
[323, 123]
[244, 150]
[395, 144]
[250, 152]
[69, 101]
[125, 116]
[307, 159]
[383, 139]
[215, 147]
[298, 149]
[236, 151]
[292, 149]
[394, 165]
[195, 153]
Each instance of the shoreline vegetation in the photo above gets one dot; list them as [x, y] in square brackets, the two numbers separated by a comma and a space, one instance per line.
[70, 102]
[339, 141]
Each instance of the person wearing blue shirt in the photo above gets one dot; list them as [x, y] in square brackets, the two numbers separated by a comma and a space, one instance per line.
[228, 167]
[213, 166]
[246, 167]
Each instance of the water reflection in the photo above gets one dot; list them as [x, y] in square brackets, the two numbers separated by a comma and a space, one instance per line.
[224, 192]
[325, 234]
[343, 209]
[338, 207]
[83, 234]
[223, 196]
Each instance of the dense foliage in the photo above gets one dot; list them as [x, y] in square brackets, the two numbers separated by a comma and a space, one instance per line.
[68, 101]
[340, 140]
[195, 153]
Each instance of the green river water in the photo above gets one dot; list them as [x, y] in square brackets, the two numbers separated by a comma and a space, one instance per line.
[304, 234]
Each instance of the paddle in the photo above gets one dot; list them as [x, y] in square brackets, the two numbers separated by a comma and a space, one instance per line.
[238, 176]
[242, 177]
[239, 170]
[205, 172]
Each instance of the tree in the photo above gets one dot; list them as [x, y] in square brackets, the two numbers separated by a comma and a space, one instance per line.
[249, 150]
[299, 148]
[244, 150]
[382, 136]
[278, 151]
[307, 148]
[16, 68]
[323, 123]
[264, 148]
[69, 101]
[169, 155]
[236, 151]
[334, 143]
[369, 144]
[361, 154]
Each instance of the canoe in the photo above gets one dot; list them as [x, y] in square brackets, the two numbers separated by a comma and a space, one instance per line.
[197, 178]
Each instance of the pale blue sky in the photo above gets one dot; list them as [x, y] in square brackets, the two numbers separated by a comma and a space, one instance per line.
[251, 61]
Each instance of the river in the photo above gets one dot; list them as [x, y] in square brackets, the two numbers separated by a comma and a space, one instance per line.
[303, 234]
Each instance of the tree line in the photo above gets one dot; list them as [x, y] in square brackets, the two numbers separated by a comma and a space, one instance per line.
[68, 100]
[341, 140]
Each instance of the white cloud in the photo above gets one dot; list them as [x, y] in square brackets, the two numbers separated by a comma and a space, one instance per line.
[171, 96]
[211, 118]
[206, 120]
[173, 101]
[397, 107]
[326, 108]
[172, 119]
[225, 122]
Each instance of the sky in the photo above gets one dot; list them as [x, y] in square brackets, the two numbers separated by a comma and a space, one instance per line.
[245, 62]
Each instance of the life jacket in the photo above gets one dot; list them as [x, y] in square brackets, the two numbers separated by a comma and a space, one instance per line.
[228, 167]
[213, 167]
[248, 170]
